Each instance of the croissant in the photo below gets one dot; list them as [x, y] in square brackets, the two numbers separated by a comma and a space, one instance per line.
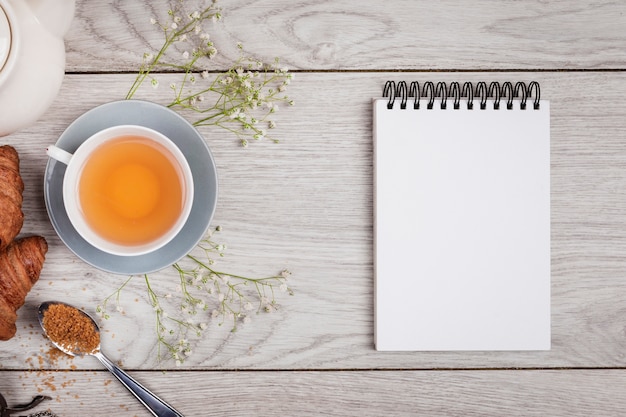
[20, 265]
[11, 188]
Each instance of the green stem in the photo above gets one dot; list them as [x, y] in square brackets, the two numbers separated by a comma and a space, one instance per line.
[144, 73]
[204, 265]
[169, 40]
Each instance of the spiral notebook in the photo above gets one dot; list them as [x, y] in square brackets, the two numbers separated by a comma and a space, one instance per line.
[461, 217]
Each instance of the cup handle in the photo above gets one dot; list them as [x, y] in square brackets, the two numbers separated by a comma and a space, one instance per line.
[59, 154]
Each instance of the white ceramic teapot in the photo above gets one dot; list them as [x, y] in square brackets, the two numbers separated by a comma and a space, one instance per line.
[32, 58]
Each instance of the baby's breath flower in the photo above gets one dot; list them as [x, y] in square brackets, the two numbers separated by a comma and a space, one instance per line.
[232, 304]
[249, 83]
[246, 94]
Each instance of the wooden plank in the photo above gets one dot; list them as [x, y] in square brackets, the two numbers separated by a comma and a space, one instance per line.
[335, 393]
[306, 204]
[371, 35]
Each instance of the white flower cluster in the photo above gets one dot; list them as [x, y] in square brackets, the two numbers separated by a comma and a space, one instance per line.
[240, 100]
[205, 295]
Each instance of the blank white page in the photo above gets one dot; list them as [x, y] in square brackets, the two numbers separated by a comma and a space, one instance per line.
[462, 228]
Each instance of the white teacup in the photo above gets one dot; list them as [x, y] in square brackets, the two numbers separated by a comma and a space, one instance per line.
[127, 190]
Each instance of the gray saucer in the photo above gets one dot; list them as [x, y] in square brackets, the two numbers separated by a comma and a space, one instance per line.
[190, 142]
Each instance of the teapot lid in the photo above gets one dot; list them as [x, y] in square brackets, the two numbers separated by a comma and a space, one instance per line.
[5, 38]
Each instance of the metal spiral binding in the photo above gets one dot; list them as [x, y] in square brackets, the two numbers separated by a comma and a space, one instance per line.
[430, 91]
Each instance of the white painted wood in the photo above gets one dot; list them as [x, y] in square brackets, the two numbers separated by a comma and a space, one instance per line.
[399, 34]
[336, 393]
[306, 204]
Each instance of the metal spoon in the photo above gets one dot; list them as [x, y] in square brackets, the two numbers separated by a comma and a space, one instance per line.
[157, 406]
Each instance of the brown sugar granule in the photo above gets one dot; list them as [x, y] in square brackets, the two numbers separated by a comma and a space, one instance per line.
[70, 328]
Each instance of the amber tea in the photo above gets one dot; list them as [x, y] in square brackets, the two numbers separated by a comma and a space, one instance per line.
[131, 190]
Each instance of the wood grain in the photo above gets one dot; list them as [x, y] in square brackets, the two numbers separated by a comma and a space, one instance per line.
[336, 393]
[306, 204]
[369, 35]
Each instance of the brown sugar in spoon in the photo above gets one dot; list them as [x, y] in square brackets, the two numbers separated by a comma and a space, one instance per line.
[74, 332]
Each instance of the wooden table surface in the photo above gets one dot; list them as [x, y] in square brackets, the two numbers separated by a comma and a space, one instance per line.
[305, 204]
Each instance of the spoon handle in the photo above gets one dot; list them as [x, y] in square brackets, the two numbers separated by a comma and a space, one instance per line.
[157, 406]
